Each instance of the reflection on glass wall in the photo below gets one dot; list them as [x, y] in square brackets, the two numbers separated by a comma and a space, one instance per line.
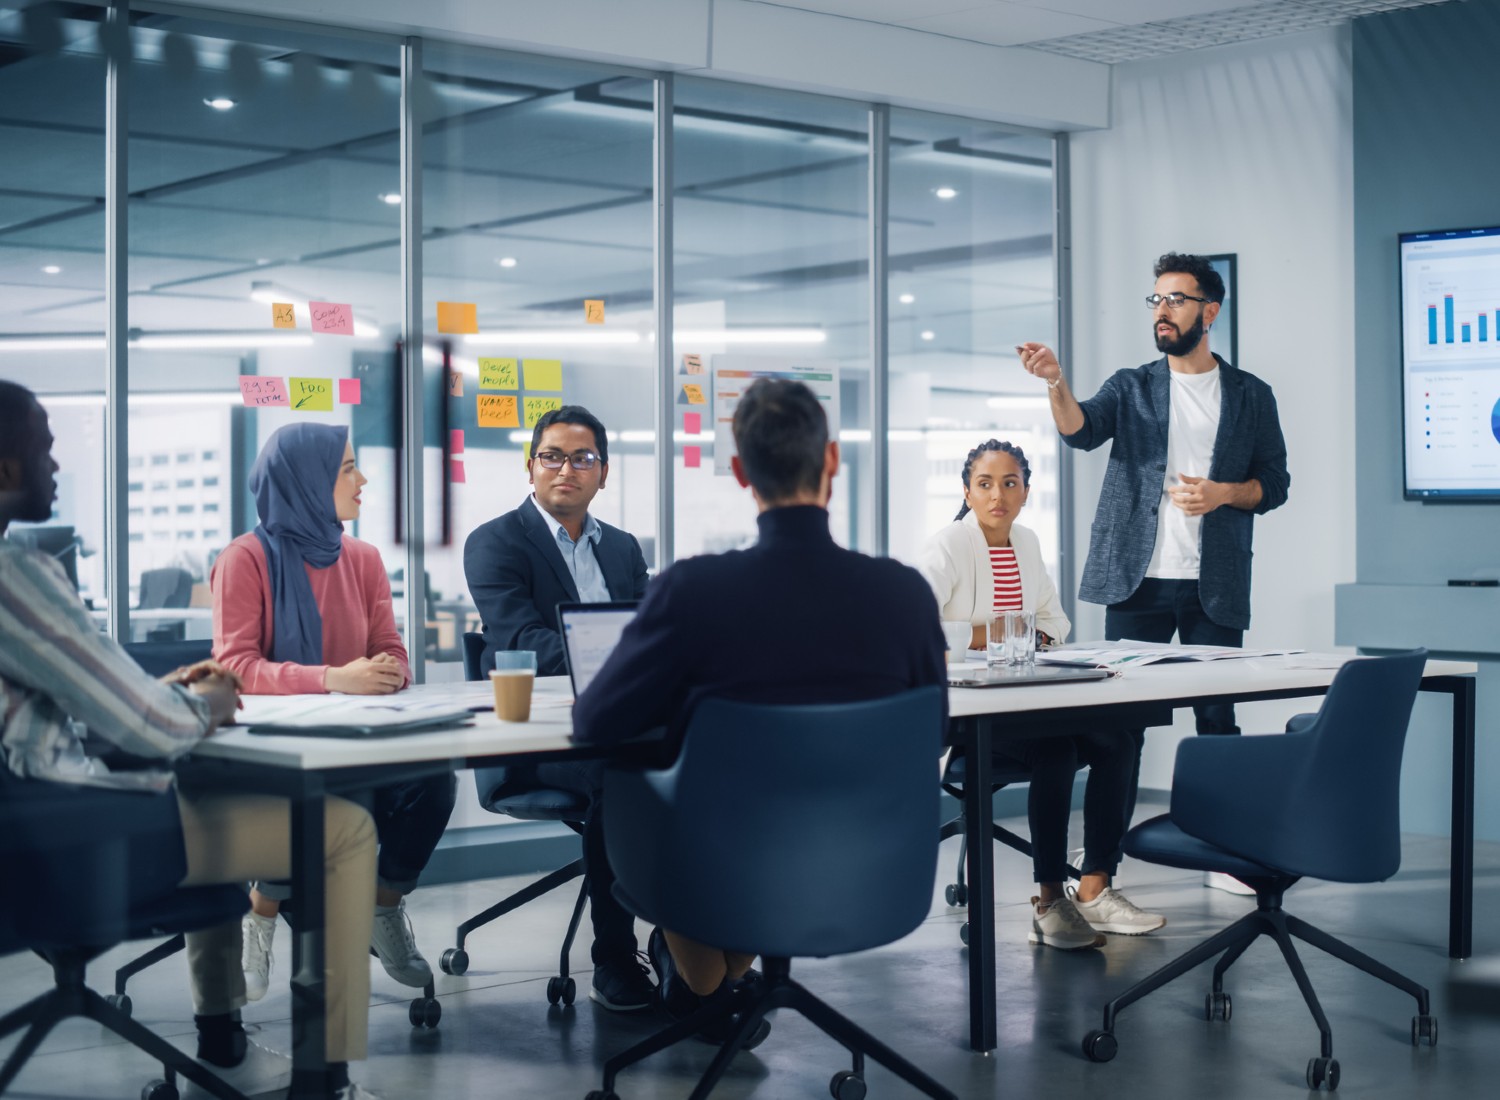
[52, 262]
[971, 275]
[771, 277]
[536, 200]
[265, 287]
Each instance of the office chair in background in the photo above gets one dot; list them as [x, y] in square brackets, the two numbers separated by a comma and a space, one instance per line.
[1321, 800]
[516, 793]
[784, 831]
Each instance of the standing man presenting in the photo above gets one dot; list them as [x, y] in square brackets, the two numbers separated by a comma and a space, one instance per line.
[1197, 455]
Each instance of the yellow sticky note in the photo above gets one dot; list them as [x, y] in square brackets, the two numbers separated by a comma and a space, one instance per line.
[543, 374]
[283, 315]
[311, 394]
[457, 317]
[498, 374]
[537, 407]
[527, 448]
[497, 411]
[694, 393]
[593, 311]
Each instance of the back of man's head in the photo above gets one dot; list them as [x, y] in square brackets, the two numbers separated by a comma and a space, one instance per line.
[16, 405]
[781, 433]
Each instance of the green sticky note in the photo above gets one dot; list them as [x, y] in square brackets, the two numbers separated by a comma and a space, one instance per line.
[537, 407]
[311, 394]
[498, 374]
[543, 374]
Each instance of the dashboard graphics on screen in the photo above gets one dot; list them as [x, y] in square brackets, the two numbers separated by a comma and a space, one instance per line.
[1450, 363]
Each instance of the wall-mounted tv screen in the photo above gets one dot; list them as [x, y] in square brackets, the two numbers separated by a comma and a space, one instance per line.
[1450, 363]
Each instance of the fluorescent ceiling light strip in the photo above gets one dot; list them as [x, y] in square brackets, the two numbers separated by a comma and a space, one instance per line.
[65, 400]
[556, 337]
[176, 342]
[749, 336]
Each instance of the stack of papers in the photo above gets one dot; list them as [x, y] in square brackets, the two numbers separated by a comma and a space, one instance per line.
[1126, 653]
[341, 716]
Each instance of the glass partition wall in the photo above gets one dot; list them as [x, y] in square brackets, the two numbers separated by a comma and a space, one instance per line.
[268, 284]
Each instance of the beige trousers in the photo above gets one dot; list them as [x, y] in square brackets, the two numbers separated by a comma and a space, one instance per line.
[233, 838]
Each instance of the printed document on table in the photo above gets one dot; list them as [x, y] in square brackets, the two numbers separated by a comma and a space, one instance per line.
[1126, 653]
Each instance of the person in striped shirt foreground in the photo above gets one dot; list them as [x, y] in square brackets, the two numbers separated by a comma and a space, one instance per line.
[61, 679]
[984, 563]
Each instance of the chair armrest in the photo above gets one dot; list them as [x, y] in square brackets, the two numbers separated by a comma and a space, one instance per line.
[1232, 791]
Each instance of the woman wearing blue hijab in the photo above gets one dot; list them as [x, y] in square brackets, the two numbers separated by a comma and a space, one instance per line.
[300, 607]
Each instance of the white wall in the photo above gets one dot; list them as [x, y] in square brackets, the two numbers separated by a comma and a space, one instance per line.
[1245, 149]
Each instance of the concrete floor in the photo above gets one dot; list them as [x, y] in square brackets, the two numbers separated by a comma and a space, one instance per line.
[498, 1038]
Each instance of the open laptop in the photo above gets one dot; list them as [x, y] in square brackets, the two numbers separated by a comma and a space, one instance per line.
[590, 632]
[1001, 676]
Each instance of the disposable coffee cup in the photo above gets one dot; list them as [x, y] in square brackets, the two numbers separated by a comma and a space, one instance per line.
[512, 679]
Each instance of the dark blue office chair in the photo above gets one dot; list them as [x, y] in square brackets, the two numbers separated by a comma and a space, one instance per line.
[89, 868]
[516, 793]
[782, 831]
[1321, 800]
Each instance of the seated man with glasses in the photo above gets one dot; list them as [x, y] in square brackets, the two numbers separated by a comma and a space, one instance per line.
[519, 567]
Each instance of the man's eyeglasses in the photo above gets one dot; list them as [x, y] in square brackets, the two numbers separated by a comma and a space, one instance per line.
[1173, 300]
[579, 460]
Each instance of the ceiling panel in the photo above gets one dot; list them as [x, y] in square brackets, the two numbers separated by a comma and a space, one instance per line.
[1008, 24]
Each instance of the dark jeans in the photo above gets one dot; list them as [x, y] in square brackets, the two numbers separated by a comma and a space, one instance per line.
[614, 925]
[1112, 760]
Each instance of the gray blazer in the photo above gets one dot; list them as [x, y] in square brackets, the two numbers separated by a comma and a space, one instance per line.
[1132, 409]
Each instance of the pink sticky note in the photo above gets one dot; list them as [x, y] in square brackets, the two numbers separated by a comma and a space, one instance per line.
[348, 391]
[456, 471]
[332, 317]
[455, 441]
[258, 390]
[692, 457]
[692, 423]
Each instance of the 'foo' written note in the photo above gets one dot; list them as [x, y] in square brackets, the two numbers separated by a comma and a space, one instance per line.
[311, 394]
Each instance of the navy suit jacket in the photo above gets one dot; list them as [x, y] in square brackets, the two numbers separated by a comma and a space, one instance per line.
[794, 619]
[517, 577]
[1133, 408]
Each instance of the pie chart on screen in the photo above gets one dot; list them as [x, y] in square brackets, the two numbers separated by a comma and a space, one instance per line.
[1495, 421]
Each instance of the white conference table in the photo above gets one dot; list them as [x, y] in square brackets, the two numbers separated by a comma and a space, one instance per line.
[307, 769]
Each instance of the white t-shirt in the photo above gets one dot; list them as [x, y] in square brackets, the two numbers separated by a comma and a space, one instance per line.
[1191, 429]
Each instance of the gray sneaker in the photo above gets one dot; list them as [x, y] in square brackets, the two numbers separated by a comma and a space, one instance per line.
[395, 946]
[256, 935]
[1113, 912]
[1059, 925]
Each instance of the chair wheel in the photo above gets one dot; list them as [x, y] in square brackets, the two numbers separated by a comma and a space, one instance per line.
[121, 1001]
[561, 989]
[963, 932]
[1100, 1046]
[1424, 1027]
[455, 960]
[1323, 1072]
[1217, 1006]
[847, 1085]
[956, 894]
[425, 1012]
[158, 1090]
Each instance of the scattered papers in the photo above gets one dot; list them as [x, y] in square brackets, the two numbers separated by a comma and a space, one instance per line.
[1125, 653]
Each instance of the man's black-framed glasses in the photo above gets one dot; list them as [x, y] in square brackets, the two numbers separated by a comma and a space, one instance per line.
[1174, 300]
[579, 460]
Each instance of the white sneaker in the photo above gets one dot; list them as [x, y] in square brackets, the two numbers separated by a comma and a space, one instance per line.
[257, 932]
[1113, 912]
[393, 943]
[262, 1070]
[1060, 926]
[352, 1091]
[1218, 880]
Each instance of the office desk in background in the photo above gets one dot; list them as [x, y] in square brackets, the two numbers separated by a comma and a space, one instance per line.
[1145, 697]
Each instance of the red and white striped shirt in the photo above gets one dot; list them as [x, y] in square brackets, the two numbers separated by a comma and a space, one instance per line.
[1007, 578]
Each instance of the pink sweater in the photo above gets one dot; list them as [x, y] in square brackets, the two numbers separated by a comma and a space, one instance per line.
[353, 595]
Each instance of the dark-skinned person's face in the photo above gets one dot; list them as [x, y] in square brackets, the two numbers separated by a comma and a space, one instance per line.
[27, 484]
[567, 490]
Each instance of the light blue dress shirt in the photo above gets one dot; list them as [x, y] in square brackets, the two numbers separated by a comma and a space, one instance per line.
[579, 556]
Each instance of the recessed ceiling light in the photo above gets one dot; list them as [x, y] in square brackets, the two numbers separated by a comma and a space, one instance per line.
[391, 198]
[51, 269]
[928, 334]
[506, 261]
[219, 103]
[907, 299]
[945, 193]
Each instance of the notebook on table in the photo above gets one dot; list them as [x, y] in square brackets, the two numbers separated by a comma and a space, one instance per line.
[1001, 676]
[590, 632]
[341, 716]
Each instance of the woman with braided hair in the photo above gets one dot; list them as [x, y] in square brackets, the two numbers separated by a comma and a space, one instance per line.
[984, 563]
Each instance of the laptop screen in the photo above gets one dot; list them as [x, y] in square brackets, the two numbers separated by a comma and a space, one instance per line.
[590, 633]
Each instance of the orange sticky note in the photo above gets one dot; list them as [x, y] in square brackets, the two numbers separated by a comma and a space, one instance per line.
[457, 317]
[455, 383]
[694, 393]
[456, 471]
[259, 390]
[349, 391]
[692, 423]
[283, 315]
[537, 407]
[332, 317]
[692, 457]
[496, 410]
[593, 311]
[692, 364]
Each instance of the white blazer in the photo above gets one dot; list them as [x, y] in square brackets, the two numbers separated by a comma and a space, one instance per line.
[956, 563]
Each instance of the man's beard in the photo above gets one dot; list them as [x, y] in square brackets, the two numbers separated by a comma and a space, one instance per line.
[1184, 343]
